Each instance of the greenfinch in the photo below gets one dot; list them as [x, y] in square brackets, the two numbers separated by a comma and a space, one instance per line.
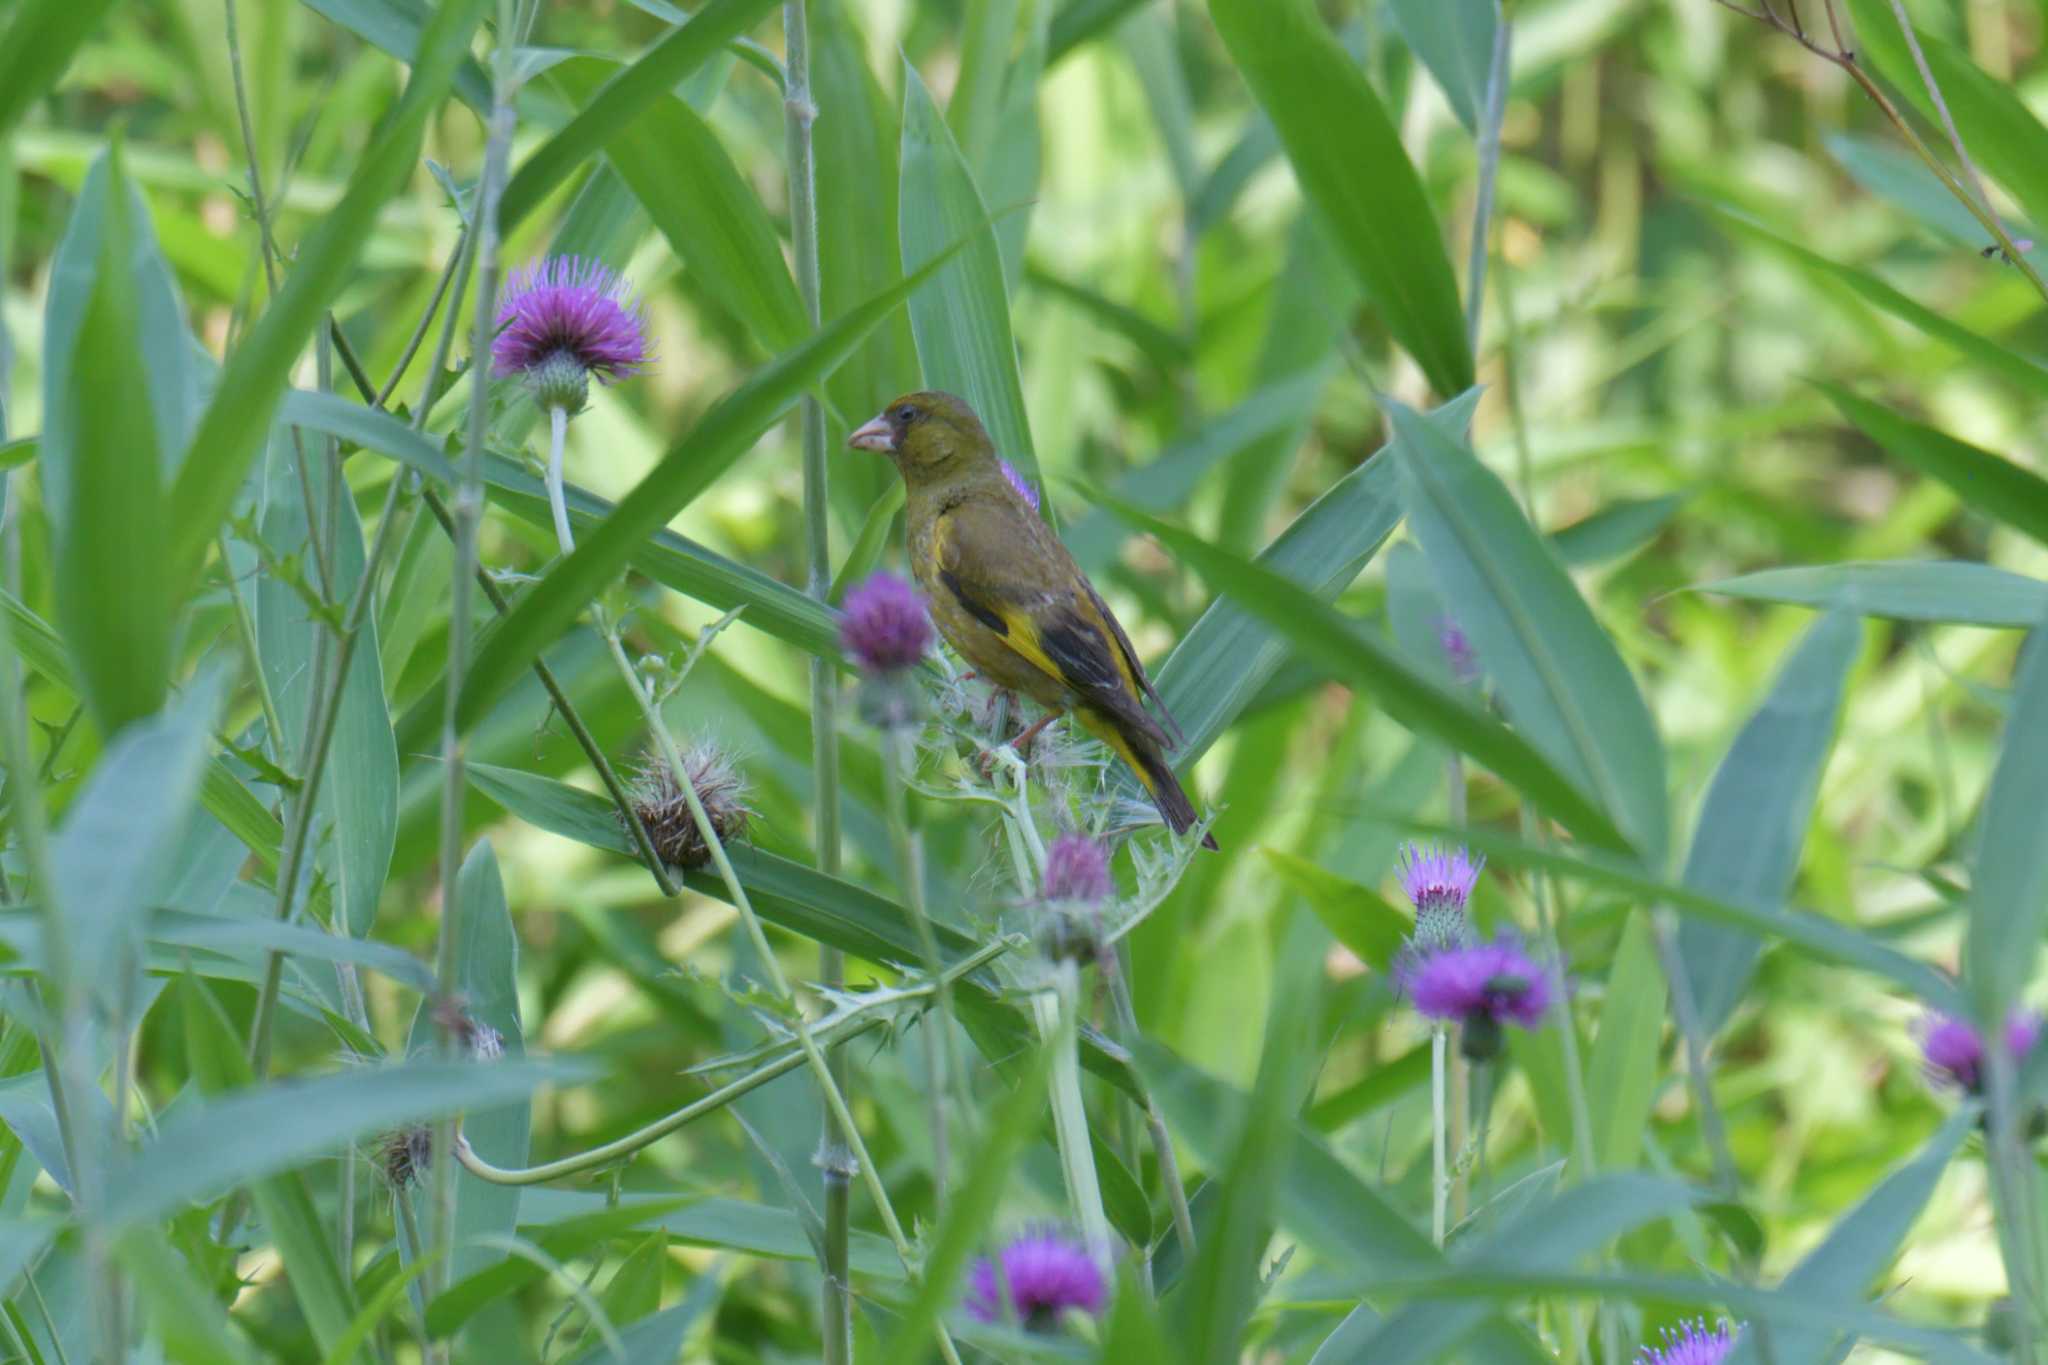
[1010, 598]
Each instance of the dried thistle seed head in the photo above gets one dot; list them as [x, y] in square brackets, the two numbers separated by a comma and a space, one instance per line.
[406, 1156]
[477, 1038]
[665, 810]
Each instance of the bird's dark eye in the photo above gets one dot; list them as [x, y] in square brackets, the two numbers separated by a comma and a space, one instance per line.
[906, 414]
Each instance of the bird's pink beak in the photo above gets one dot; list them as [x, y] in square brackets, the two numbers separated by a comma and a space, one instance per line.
[877, 436]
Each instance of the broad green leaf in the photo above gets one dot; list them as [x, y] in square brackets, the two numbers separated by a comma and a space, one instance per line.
[720, 437]
[622, 99]
[856, 150]
[1455, 40]
[635, 1288]
[1231, 652]
[2009, 888]
[253, 939]
[986, 40]
[1621, 1074]
[36, 45]
[1081, 21]
[1357, 916]
[357, 809]
[186, 1319]
[231, 431]
[120, 835]
[2004, 137]
[1746, 845]
[1816, 935]
[219, 1067]
[102, 461]
[1880, 166]
[1353, 653]
[1557, 673]
[1980, 350]
[1989, 484]
[962, 323]
[1615, 530]
[569, 1234]
[205, 1148]
[1860, 1246]
[1918, 590]
[1348, 158]
[713, 220]
[394, 27]
[658, 1336]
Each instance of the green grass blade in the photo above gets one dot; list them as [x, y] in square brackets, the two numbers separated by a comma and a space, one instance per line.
[232, 429]
[1322, 634]
[962, 323]
[187, 1321]
[1996, 487]
[2009, 891]
[1621, 1073]
[394, 27]
[623, 99]
[1954, 591]
[1753, 825]
[1454, 39]
[1348, 158]
[102, 460]
[1559, 676]
[719, 438]
[37, 45]
[715, 223]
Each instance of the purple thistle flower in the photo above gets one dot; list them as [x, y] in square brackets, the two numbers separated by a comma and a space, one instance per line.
[1020, 483]
[1482, 986]
[1690, 1343]
[1439, 881]
[1955, 1050]
[886, 628]
[1077, 870]
[1043, 1276]
[1457, 649]
[563, 319]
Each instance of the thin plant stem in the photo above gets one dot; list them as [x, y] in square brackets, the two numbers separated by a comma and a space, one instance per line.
[835, 1099]
[799, 113]
[942, 1063]
[558, 437]
[2010, 1169]
[850, 1025]
[1489, 167]
[1155, 1122]
[1056, 1009]
[419, 331]
[468, 509]
[245, 635]
[1948, 123]
[1439, 1181]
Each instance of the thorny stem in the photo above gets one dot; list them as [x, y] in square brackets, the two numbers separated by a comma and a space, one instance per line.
[469, 500]
[855, 1021]
[835, 1099]
[798, 115]
[942, 1062]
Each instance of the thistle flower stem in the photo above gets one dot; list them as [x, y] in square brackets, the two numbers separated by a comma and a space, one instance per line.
[942, 1061]
[854, 1022]
[558, 437]
[2010, 1170]
[1155, 1122]
[835, 1099]
[469, 508]
[1056, 1009]
[1439, 1184]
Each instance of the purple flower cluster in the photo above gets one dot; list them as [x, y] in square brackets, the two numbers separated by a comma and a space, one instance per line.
[563, 319]
[1042, 1276]
[1690, 1343]
[1077, 871]
[1954, 1049]
[886, 628]
[1496, 980]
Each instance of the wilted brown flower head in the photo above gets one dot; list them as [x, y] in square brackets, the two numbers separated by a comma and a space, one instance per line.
[664, 810]
[406, 1156]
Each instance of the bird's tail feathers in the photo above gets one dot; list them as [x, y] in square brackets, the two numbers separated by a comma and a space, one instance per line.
[1149, 763]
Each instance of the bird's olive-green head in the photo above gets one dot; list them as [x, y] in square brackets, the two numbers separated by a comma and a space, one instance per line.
[931, 437]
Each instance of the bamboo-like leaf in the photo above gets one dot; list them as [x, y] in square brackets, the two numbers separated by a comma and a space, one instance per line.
[1990, 484]
[394, 27]
[1321, 633]
[962, 323]
[36, 46]
[190, 1323]
[1348, 158]
[1621, 1073]
[231, 430]
[719, 438]
[1746, 846]
[624, 98]
[101, 461]
[1454, 39]
[1902, 590]
[2009, 891]
[1558, 673]
[712, 218]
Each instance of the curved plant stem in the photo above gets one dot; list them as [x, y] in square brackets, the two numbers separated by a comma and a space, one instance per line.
[835, 1099]
[942, 1061]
